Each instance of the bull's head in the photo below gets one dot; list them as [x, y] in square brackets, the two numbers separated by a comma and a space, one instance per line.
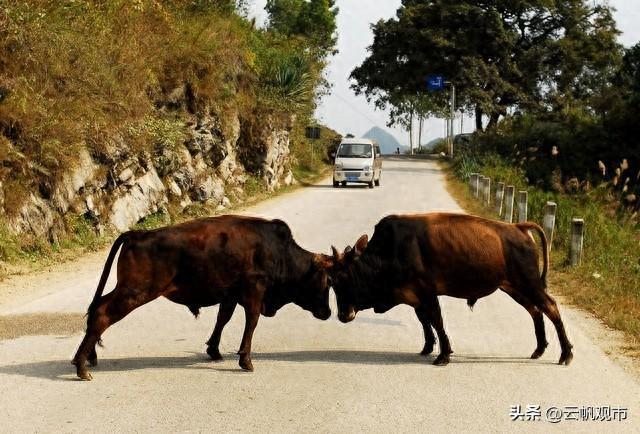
[342, 280]
[315, 296]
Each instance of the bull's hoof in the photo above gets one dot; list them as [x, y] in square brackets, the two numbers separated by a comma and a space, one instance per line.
[214, 353]
[245, 363]
[84, 374]
[537, 353]
[566, 358]
[428, 349]
[442, 360]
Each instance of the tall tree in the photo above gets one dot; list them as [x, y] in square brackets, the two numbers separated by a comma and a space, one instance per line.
[498, 53]
[314, 20]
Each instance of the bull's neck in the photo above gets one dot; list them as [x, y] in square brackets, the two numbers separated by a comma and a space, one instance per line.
[300, 265]
[368, 276]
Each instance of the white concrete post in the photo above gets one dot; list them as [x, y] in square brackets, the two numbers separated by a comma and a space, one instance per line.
[475, 181]
[499, 198]
[522, 206]
[487, 191]
[577, 240]
[508, 204]
[472, 179]
[549, 221]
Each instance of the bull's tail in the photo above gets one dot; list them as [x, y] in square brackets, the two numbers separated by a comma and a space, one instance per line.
[106, 270]
[545, 249]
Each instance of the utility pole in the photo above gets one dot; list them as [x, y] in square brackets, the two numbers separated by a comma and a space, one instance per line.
[452, 116]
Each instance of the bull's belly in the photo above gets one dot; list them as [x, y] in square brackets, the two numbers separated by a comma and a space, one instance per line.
[467, 283]
[198, 297]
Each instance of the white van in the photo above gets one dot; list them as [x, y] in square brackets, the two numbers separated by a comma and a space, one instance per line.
[357, 160]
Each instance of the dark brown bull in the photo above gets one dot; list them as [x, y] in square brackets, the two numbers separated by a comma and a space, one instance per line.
[228, 260]
[414, 259]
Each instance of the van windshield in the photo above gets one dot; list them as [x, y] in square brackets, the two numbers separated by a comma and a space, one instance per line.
[355, 150]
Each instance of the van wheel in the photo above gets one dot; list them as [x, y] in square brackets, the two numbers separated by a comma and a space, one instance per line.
[377, 182]
[344, 183]
[371, 184]
[335, 184]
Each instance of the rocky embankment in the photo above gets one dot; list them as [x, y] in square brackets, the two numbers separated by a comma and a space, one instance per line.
[116, 188]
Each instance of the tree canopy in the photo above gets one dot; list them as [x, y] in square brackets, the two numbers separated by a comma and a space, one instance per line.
[535, 55]
[315, 20]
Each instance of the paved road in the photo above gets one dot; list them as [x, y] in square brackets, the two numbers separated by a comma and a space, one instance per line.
[311, 376]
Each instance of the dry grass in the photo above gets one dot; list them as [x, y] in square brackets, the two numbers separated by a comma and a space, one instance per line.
[89, 74]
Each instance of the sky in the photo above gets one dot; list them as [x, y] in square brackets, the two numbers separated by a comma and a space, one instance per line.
[347, 113]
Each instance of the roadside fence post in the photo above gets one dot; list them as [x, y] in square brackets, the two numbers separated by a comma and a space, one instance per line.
[475, 180]
[508, 207]
[549, 221]
[472, 179]
[499, 198]
[577, 241]
[523, 197]
[487, 192]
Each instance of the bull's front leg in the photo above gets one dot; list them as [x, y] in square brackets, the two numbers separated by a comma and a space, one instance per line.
[225, 312]
[252, 303]
[252, 314]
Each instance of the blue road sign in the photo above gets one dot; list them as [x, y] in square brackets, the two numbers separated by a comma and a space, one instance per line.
[435, 82]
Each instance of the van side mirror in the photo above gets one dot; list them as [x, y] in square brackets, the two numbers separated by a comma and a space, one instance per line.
[333, 155]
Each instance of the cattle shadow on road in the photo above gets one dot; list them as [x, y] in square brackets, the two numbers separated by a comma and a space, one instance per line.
[62, 370]
[387, 358]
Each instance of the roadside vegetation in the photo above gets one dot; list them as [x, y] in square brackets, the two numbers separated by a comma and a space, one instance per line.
[607, 283]
[94, 75]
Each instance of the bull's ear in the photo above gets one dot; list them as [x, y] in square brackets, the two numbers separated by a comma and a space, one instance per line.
[347, 249]
[361, 244]
[335, 253]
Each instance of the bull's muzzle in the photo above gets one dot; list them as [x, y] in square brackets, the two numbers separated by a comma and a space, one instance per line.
[347, 315]
[268, 310]
[323, 315]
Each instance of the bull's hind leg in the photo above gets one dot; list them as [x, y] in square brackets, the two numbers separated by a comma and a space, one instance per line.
[550, 308]
[538, 320]
[429, 338]
[110, 309]
[225, 312]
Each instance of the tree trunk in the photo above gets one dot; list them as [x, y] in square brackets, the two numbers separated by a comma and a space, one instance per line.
[493, 120]
[479, 119]
[411, 133]
[420, 133]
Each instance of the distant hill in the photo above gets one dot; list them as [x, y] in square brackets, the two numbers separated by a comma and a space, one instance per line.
[387, 142]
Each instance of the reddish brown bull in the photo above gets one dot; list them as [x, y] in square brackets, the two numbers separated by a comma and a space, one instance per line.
[228, 260]
[414, 259]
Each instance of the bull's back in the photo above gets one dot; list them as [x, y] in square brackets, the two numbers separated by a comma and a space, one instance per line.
[457, 253]
[209, 254]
